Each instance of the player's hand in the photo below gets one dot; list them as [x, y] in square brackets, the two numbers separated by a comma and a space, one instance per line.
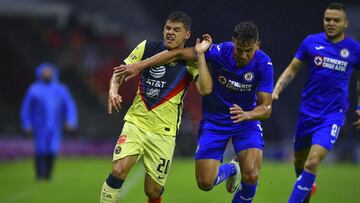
[202, 46]
[114, 100]
[275, 96]
[238, 114]
[129, 71]
[357, 123]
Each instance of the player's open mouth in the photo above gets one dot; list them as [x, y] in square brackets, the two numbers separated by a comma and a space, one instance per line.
[330, 29]
[170, 39]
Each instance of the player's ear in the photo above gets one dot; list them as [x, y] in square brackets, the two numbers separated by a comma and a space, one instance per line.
[187, 34]
[346, 23]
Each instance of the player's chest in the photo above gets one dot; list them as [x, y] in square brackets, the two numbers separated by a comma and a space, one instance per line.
[165, 75]
[239, 80]
[333, 58]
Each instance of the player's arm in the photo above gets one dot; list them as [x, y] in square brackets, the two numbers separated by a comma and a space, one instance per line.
[262, 110]
[114, 99]
[165, 57]
[357, 123]
[204, 81]
[287, 76]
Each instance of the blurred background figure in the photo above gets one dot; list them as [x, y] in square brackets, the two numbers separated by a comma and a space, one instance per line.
[47, 108]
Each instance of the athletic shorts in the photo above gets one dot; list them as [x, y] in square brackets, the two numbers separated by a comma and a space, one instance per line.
[321, 131]
[212, 144]
[155, 149]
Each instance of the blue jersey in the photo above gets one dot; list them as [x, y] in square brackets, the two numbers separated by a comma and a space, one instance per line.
[233, 85]
[329, 68]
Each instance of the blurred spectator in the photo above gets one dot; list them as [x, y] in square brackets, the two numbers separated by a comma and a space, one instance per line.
[47, 107]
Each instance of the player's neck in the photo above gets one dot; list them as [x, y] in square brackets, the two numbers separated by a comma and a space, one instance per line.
[337, 38]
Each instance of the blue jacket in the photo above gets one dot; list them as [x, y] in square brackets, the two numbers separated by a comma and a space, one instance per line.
[47, 106]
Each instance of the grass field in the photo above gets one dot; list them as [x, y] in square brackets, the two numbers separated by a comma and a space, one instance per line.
[78, 180]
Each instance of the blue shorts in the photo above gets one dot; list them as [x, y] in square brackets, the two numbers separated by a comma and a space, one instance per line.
[212, 144]
[321, 131]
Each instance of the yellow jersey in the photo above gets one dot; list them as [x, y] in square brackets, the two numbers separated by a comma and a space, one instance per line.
[158, 104]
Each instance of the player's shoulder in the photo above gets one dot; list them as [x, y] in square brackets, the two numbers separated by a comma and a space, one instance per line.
[153, 43]
[262, 57]
[221, 47]
[153, 47]
[353, 44]
[315, 37]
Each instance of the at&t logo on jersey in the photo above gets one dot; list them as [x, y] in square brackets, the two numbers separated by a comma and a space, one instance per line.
[330, 63]
[157, 72]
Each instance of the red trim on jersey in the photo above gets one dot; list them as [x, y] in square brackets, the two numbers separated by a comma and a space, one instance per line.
[181, 86]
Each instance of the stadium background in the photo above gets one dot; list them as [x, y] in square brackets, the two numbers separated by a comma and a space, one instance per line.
[86, 38]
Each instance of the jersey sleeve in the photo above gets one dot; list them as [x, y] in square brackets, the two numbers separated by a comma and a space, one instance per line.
[302, 52]
[357, 64]
[193, 69]
[137, 54]
[266, 82]
[213, 52]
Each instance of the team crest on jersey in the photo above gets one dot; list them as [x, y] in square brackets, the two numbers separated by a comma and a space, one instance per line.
[318, 60]
[249, 76]
[344, 53]
[222, 80]
[157, 72]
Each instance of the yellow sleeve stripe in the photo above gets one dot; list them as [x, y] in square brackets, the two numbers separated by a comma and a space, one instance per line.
[137, 54]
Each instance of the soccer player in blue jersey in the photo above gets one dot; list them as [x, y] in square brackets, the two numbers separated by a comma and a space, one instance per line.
[153, 120]
[242, 77]
[331, 57]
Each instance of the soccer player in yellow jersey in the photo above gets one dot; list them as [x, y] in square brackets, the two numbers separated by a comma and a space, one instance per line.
[153, 119]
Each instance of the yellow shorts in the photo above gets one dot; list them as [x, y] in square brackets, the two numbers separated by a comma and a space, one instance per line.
[155, 149]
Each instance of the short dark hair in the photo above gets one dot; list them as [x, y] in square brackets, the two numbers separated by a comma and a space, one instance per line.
[246, 32]
[181, 17]
[336, 6]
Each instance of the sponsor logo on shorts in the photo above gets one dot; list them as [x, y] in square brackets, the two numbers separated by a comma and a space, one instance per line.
[122, 139]
[118, 150]
[161, 177]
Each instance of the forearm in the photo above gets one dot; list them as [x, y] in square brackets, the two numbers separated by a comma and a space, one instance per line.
[284, 80]
[261, 112]
[204, 83]
[167, 57]
[115, 83]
